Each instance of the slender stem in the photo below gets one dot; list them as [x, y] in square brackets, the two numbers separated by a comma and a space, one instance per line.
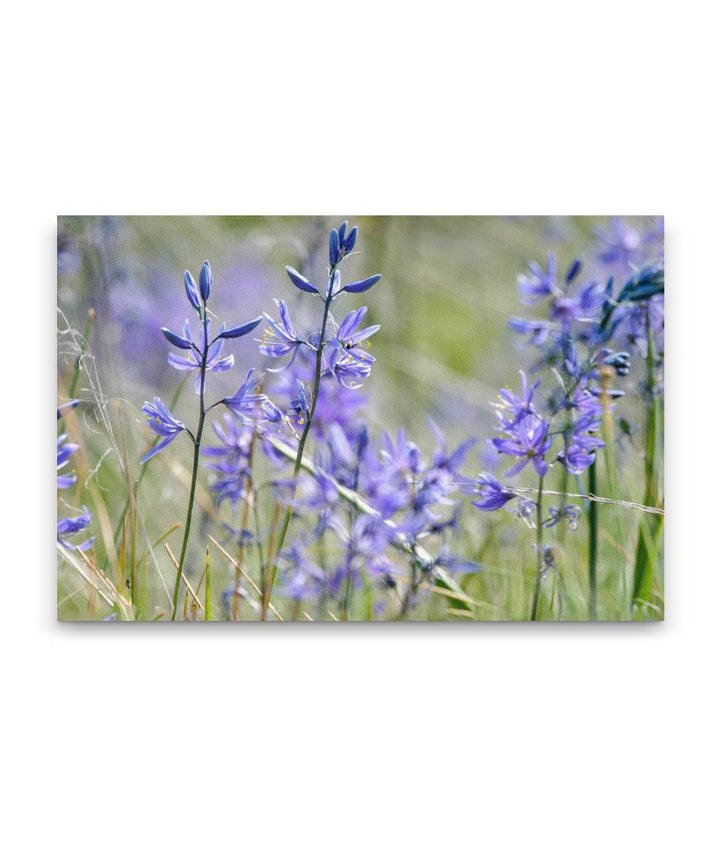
[348, 583]
[143, 468]
[540, 557]
[593, 542]
[646, 548]
[196, 461]
[244, 523]
[266, 585]
[272, 563]
[411, 591]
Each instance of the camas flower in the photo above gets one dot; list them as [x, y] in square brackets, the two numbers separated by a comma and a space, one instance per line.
[336, 404]
[230, 459]
[193, 361]
[300, 403]
[571, 513]
[581, 306]
[527, 440]
[493, 495]
[71, 526]
[248, 404]
[279, 337]
[622, 248]
[348, 370]
[513, 407]
[538, 283]
[303, 579]
[163, 423]
[340, 244]
[349, 337]
[582, 444]
[537, 330]
[344, 356]
[64, 452]
[193, 356]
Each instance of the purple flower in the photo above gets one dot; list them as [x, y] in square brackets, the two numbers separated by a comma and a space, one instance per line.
[163, 423]
[348, 370]
[248, 404]
[64, 452]
[586, 403]
[279, 337]
[362, 285]
[230, 460]
[538, 284]
[192, 291]
[206, 279]
[492, 494]
[301, 282]
[341, 243]
[303, 578]
[335, 404]
[444, 460]
[582, 306]
[527, 440]
[623, 248]
[571, 513]
[537, 330]
[193, 356]
[210, 350]
[71, 526]
[300, 404]
[68, 405]
[348, 336]
[513, 407]
[345, 358]
[582, 444]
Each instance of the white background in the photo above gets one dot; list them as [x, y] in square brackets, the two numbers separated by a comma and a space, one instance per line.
[354, 740]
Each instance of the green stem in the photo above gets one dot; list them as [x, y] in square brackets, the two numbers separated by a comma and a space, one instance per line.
[196, 459]
[646, 547]
[143, 468]
[540, 557]
[303, 437]
[593, 542]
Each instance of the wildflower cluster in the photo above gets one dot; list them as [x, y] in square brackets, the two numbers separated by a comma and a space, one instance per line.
[322, 511]
[202, 355]
[67, 526]
[585, 320]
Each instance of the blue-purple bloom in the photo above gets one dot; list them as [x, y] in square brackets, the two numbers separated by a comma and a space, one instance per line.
[570, 513]
[248, 404]
[528, 440]
[513, 407]
[71, 526]
[538, 284]
[230, 459]
[209, 350]
[193, 357]
[340, 244]
[68, 405]
[163, 423]
[64, 452]
[300, 404]
[279, 337]
[582, 444]
[345, 358]
[493, 495]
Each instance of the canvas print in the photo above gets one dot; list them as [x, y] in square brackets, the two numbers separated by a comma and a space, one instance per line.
[360, 418]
